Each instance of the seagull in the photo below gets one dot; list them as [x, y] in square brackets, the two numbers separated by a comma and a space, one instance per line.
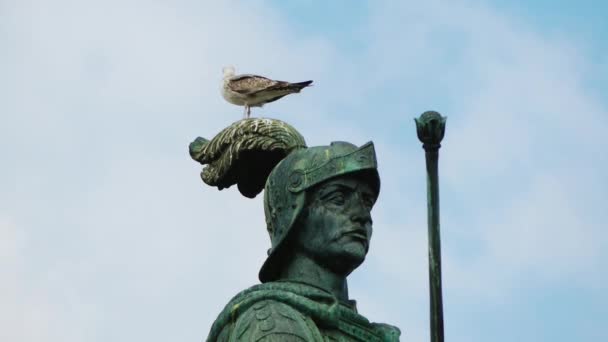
[255, 91]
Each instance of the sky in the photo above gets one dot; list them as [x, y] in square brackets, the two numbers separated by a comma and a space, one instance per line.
[108, 234]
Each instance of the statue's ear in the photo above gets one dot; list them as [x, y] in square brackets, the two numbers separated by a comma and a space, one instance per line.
[245, 153]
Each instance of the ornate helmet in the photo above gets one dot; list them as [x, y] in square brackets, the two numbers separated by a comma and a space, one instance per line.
[254, 152]
[285, 191]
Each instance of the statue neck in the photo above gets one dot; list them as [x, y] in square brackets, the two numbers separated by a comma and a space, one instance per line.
[303, 269]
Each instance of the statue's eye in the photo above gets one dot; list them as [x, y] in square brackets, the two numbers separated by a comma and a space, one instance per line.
[337, 198]
[368, 201]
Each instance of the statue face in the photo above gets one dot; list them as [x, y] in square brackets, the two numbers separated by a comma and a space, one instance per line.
[337, 226]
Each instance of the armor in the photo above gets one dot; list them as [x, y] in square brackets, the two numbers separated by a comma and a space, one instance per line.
[287, 311]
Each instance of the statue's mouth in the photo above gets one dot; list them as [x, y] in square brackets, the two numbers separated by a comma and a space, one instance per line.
[359, 234]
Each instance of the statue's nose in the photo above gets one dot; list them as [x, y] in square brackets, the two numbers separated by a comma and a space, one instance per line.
[360, 213]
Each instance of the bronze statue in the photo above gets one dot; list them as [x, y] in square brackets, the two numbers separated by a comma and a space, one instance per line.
[318, 203]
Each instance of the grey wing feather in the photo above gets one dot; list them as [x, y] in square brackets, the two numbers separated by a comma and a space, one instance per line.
[275, 98]
[250, 84]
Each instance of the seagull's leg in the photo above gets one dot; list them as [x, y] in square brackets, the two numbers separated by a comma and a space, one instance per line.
[248, 111]
[245, 112]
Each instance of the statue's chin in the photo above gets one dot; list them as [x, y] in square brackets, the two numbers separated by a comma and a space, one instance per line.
[348, 259]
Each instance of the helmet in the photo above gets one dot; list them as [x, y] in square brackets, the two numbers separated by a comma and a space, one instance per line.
[285, 190]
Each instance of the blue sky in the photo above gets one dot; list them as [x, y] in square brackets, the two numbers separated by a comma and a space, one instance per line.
[108, 234]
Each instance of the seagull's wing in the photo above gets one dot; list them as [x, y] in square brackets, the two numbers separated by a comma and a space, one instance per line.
[250, 84]
[275, 98]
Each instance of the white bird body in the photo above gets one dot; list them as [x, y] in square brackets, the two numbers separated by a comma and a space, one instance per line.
[254, 91]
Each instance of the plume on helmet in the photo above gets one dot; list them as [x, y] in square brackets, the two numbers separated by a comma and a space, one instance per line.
[245, 153]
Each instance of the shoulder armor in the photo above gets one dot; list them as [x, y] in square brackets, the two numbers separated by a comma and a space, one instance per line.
[388, 332]
[269, 320]
[224, 335]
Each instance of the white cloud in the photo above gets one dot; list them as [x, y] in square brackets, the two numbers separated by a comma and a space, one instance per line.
[522, 161]
[119, 239]
[28, 313]
[100, 104]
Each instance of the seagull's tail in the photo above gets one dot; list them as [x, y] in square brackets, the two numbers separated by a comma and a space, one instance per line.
[296, 87]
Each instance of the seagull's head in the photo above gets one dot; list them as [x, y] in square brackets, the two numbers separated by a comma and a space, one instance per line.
[228, 71]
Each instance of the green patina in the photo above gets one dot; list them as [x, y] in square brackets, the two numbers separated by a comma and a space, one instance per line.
[431, 129]
[318, 203]
[321, 314]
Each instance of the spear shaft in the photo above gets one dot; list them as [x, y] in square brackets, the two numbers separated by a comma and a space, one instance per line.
[431, 128]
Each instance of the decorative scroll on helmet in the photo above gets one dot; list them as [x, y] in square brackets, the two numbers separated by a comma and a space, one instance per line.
[245, 153]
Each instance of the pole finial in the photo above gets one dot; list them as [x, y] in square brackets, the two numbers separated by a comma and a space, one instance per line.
[431, 129]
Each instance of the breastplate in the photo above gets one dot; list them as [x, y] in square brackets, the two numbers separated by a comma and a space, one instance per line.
[353, 327]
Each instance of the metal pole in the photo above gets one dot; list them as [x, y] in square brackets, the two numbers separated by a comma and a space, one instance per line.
[431, 128]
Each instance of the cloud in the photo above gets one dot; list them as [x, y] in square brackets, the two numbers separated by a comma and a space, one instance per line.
[109, 234]
[100, 104]
[27, 313]
[521, 165]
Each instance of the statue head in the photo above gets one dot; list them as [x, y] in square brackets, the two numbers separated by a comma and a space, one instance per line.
[318, 201]
[317, 204]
